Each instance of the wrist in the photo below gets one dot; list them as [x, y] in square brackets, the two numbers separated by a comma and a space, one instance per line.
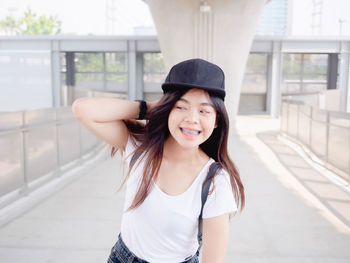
[142, 109]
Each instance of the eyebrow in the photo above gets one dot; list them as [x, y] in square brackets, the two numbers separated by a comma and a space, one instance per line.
[202, 104]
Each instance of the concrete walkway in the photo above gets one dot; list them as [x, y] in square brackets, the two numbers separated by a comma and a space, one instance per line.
[293, 214]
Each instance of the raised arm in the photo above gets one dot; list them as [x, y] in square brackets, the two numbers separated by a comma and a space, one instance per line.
[104, 118]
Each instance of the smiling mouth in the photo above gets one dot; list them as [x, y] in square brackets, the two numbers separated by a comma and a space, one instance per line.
[190, 132]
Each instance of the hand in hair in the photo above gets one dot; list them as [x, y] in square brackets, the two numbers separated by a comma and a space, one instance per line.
[150, 106]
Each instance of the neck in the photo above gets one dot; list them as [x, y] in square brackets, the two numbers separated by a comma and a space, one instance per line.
[176, 153]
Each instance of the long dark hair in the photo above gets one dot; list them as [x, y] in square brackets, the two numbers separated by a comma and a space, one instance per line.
[151, 138]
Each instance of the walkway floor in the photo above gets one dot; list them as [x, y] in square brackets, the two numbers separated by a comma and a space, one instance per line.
[293, 214]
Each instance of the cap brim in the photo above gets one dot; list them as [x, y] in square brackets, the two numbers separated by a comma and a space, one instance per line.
[175, 86]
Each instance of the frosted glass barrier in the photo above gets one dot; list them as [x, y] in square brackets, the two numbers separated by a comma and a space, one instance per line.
[25, 80]
[314, 87]
[304, 124]
[293, 120]
[339, 141]
[11, 166]
[88, 141]
[41, 154]
[32, 117]
[11, 120]
[153, 74]
[290, 87]
[101, 71]
[325, 133]
[284, 116]
[319, 133]
[255, 76]
[304, 73]
[69, 144]
[50, 139]
[153, 82]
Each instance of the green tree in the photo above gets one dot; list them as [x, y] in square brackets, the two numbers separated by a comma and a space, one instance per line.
[31, 24]
[9, 25]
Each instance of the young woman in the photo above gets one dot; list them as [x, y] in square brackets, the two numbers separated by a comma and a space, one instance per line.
[169, 157]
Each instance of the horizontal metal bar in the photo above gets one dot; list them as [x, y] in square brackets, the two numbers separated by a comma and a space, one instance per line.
[33, 126]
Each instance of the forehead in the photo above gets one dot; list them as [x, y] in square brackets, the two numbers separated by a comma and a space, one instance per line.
[196, 95]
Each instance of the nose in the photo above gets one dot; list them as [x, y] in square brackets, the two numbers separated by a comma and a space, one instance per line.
[192, 116]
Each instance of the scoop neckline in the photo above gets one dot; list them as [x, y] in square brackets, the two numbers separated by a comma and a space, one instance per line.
[189, 188]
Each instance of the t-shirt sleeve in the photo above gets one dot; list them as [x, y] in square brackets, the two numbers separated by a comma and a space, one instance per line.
[221, 200]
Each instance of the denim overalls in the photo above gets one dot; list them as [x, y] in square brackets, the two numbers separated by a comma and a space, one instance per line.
[121, 254]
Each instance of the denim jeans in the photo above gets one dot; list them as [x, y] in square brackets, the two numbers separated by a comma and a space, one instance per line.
[121, 254]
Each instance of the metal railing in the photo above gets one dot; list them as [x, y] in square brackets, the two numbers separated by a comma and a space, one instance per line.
[39, 145]
[325, 133]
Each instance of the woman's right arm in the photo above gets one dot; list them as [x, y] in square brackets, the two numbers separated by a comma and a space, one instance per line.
[104, 118]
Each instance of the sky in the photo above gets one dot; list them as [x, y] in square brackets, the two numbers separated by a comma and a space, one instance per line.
[89, 17]
[81, 16]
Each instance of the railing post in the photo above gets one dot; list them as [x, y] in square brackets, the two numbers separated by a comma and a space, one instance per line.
[58, 161]
[298, 108]
[287, 125]
[281, 116]
[349, 155]
[327, 137]
[310, 130]
[80, 145]
[24, 190]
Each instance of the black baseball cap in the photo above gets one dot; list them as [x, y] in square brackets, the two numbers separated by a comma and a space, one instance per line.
[196, 73]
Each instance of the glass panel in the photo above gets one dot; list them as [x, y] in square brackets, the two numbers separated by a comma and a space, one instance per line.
[315, 67]
[25, 79]
[11, 169]
[117, 77]
[314, 87]
[153, 63]
[255, 74]
[40, 151]
[254, 83]
[63, 62]
[291, 87]
[291, 73]
[153, 74]
[256, 64]
[116, 62]
[68, 138]
[88, 62]
[291, 65]
[339, 151]
[89, 80]
[84, 77]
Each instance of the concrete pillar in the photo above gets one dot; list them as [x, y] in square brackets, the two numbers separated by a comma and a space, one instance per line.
[344, 67]
[55, 74]
[220, 31]
[139, 76]
[132, 70]
[273, 101]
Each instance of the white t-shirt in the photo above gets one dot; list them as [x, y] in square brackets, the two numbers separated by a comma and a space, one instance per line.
[164, 228]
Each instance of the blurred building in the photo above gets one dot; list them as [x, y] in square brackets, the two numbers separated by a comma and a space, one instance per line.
[41, 72]
[276, 18]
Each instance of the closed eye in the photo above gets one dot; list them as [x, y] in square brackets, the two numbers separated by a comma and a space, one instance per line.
[205, 111]
[180, 108]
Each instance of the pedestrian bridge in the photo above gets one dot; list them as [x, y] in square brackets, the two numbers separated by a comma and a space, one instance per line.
[296, 210]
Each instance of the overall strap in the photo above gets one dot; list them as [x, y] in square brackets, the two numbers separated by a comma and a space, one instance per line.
[214, 167]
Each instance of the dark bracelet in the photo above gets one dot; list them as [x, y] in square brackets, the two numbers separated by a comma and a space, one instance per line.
[143, 109]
